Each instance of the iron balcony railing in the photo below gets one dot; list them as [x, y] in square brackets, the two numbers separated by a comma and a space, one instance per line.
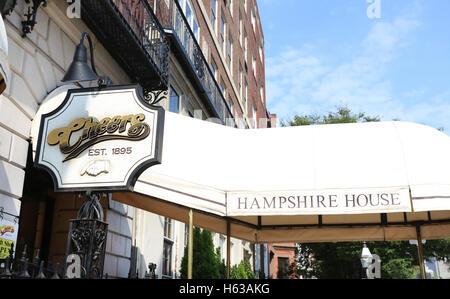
[184, 35]
[133, 35]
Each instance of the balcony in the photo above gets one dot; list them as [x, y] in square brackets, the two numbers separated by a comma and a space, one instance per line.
[187, 50]
[133, 36]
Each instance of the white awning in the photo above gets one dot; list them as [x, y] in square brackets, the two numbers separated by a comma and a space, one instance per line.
[368, 181]
[347, 182]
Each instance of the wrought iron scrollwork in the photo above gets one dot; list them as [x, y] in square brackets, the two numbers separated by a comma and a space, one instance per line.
[198, 63]
[7, 6]
[87, 238]
[153, 97]
[22, 268]
[28, 24]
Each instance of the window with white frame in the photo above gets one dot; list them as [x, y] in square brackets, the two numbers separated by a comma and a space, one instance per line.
[167, 259]
[241, 28]
[222, 33]
[174, 101]
[254, 116]
[168, 228]
[222, 241]
[167, 248]
[261, 50]
[230, 51]
[253, 18]
[245, 93]
[230, 104]
[214, 68]
[245, 45]
[223, 87]
[240, 79]
[254, 64]
[191, 17]
[213, 14]
[261, 92]
[186, 234]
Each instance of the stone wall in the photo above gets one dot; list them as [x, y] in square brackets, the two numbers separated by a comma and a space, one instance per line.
[38, 62]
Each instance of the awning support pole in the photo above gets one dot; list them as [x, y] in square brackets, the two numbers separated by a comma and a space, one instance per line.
[191, 243]
[420, 248]
[228, 249]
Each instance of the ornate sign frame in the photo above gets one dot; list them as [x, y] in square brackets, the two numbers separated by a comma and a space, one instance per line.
[100, 139]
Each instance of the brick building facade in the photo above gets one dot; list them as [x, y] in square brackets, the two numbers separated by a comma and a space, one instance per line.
[232, 39]
[281, 257]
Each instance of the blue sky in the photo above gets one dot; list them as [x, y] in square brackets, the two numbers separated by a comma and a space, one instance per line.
[321, 54]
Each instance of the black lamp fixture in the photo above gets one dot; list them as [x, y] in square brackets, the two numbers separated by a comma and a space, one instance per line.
[79, 70]
[7, 6]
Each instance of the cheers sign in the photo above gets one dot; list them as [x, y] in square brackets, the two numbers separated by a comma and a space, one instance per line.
[97, 132]
[106, 152]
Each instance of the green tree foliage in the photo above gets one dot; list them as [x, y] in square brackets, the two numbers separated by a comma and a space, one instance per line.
[242, 271]
[399, 260]
[342, 260]
[206, 260]
[221, 264]
[342, 115]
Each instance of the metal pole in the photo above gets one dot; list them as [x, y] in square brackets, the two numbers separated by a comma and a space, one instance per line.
[228, 249]
[262, 261]
[420, 248]
[191, 243]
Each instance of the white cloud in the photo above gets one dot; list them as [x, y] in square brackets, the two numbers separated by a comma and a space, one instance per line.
[299, 80]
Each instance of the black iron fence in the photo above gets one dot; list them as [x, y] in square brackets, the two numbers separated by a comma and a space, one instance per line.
[21, 267]
[85, 253]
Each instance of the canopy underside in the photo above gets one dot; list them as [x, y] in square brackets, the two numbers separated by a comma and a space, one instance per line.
[304, 229]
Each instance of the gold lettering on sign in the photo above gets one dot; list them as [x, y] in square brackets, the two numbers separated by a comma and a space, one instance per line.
[95, 132]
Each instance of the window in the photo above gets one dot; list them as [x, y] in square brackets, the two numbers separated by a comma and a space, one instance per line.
[241, 27]
[174, 101]
[231, 7]
[167, 259]
[230, 51]
[254, 64]
[167, 248]
[240, 79]
[189, 13]
[245, 91]
[186, 234]
[283, 268]
[214, 69]
[223, 88]
[245, 5]
[245, 45]
[168, 228]
[230, 104]
[213, 13]
[261, 51]
[222, 33]
[254, 116]
[221, 246]
[261, 92]
[253, 19]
